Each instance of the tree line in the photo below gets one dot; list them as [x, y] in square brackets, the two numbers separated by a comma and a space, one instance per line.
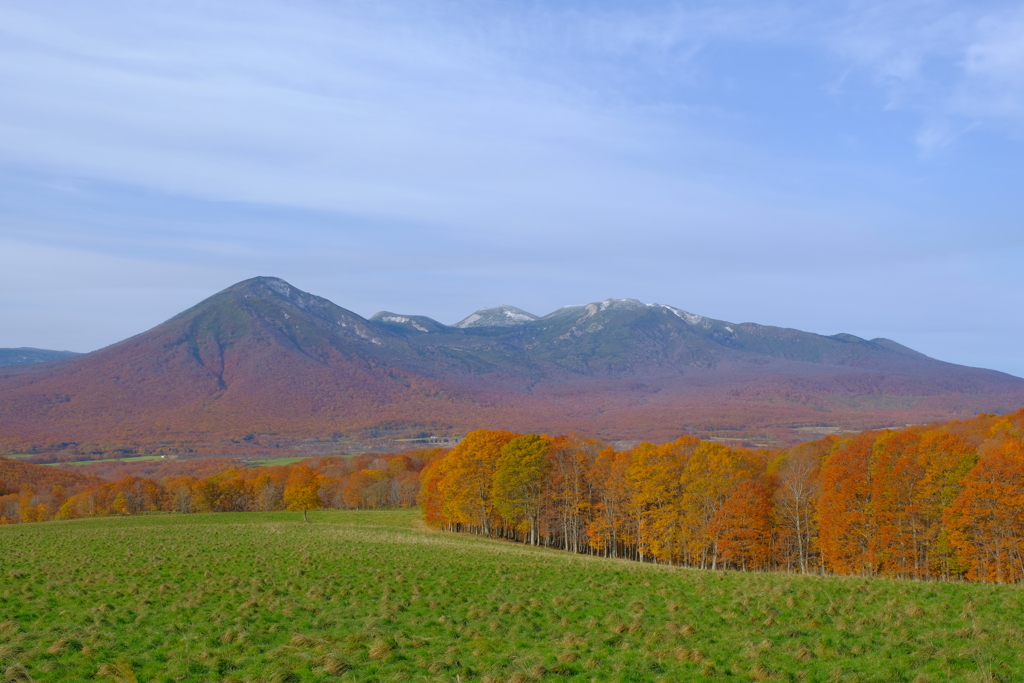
[362, 482]
[925, 502]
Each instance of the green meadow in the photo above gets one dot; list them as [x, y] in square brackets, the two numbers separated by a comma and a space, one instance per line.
[270, 462]
[375, 596]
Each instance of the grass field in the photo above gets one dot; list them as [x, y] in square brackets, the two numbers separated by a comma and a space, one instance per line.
[373, 596]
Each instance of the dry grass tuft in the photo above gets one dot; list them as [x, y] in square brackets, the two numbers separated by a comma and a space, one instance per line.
[969, 632]
[568, 656]
[120, 672]
[300, 640]
[16, 673]
[282, 675]
[803, 654]
[760, 673]
[334, 664]
[379, 650]
[687, 630]
[9, 651]
[915, 611]
[8, 626]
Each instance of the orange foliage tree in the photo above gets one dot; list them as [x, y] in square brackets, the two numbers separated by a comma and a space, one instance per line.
[986, 521]
[742, 528]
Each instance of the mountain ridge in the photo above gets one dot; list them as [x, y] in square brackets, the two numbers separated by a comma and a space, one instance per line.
[263, 357]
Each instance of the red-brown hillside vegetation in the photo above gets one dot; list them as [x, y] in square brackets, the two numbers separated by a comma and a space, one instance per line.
[266, 361]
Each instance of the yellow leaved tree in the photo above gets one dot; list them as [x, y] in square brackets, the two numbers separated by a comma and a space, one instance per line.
[518, 486]
[302, 491]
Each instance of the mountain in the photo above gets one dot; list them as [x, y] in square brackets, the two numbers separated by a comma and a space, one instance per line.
[26, 355]
[263, 361]
[499, 316]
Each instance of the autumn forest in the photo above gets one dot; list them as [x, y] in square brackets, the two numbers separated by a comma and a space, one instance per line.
[925, 502]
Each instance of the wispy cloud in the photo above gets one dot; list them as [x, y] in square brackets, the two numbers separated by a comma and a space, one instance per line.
[725, 156]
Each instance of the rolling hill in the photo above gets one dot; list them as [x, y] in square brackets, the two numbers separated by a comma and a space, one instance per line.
[26, 355]
[264, 358]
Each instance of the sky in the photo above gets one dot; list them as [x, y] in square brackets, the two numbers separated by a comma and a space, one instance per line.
[834, 167]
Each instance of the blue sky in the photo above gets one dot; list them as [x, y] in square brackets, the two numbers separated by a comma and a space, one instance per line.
[835, 167]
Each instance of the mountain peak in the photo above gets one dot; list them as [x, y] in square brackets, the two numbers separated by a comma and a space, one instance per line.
[271, 285]
[416, 324]
[498, 316]
[623, 305]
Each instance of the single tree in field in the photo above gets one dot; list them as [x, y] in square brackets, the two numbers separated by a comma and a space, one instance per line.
[518, 485]
[302, 490]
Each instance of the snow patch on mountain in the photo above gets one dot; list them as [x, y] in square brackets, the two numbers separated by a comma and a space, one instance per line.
[499, 316]
[403, 320]
[691, 318]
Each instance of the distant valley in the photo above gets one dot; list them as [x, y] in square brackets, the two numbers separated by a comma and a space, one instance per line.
[262, 362]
